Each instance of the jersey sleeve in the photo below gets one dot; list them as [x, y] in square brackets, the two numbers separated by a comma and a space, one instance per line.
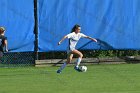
[83, 35]
[5, 38]
[69, 35]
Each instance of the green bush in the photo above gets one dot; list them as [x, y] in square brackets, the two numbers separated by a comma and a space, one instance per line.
[90, 53]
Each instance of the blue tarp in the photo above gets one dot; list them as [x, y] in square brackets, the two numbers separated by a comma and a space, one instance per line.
[115, 23]
[17, 16]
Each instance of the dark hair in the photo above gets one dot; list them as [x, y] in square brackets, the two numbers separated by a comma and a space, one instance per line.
[75, 27]
[2, 29]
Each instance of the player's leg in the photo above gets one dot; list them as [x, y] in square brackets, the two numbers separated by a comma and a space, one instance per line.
[80, 56]
[1, 54]
[69, 59]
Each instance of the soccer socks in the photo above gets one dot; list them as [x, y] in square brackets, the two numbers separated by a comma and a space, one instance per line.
[78, 62]
[63, 66]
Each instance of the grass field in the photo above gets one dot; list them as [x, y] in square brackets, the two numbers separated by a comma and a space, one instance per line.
[122, 78]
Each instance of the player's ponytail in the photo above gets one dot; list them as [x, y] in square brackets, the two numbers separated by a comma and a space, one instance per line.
[75, 27]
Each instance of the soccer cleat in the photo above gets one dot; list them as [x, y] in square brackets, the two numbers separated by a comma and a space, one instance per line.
[59, 71]
[77, 69]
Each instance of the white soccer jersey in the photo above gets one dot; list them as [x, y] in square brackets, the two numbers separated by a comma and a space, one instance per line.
[73, 39]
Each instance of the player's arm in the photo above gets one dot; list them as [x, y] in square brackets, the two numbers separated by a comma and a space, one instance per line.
[62, 39]
[93, 39]
[5, 44]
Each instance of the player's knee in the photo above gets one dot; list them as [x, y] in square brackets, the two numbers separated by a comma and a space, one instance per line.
[81, 55]
[70, 59]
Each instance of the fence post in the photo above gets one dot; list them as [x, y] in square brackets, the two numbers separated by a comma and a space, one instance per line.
[36, 29]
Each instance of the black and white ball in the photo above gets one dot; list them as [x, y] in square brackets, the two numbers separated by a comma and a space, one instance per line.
[83, 68]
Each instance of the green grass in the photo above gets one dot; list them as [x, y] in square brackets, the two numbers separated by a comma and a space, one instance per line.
[122, 78]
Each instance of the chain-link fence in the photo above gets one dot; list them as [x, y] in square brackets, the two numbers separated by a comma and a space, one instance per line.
[22, 59]
[17, 59]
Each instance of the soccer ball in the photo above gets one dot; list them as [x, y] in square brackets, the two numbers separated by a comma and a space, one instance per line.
[83, 68]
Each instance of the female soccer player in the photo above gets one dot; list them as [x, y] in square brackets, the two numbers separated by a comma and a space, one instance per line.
[3, 41]
[73, 37]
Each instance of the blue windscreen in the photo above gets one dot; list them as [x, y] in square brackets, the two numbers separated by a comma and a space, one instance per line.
[17, 16]
[115, 23]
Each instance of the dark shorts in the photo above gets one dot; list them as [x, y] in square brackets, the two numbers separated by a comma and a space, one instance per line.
[1, 54]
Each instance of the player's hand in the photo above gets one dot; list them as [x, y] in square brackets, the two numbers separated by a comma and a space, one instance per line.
[6, 50]
[95, 40]
[59, 43]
